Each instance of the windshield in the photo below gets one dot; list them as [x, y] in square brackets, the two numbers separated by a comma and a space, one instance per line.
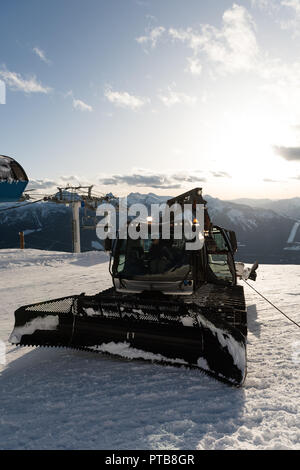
[151, 259]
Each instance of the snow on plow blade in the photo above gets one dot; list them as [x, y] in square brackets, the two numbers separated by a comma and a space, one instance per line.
[172, 332]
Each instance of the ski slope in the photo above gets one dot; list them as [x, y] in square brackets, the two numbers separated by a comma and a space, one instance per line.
[64, 399]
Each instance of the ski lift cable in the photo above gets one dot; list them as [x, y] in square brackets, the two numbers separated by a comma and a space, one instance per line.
[24, 205]
[271, 303]
[72, 199]
[45, 196]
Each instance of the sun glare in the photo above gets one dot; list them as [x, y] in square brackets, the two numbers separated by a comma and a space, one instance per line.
[246, 143]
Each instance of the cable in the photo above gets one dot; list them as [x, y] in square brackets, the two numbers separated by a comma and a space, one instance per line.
[17, 207]
[72, 196]
[297, 324]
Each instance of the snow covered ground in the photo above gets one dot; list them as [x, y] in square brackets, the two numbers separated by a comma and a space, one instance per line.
[64, 399]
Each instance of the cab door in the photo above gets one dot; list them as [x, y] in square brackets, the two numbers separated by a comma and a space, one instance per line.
[220, 249]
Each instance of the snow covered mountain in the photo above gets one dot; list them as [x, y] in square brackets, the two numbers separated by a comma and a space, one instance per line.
[64, 399]
[146, 199]
[46, 226]
[288, 207]
[263, 234]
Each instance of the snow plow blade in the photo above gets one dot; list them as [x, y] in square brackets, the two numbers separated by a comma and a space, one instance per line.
[172, 332]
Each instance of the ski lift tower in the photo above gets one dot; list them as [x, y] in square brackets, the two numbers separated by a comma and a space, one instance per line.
[76, 197]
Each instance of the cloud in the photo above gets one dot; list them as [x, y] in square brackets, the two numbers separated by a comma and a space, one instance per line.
[294, 22]
[124, 100]
[153, 180]
[294, 4]
[194, 66]
[172, 97]
[288, 153]
[281, 80]
[220, 174]
[269, 180]
[41, 54]
[42, 184]
[186, 178]
[264, 4]
[139, 178]
[78, 105]
[16, 82]
[48, 186]
[282, 6]
[81, 105]
[231, 48]
[151, 37]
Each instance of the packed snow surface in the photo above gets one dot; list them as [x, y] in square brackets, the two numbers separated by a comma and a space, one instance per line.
[64, 399]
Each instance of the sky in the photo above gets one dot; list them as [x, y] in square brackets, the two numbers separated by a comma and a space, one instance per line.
[153, 95]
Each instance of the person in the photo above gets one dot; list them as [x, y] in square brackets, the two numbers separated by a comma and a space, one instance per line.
[134, 262]
[160, 257]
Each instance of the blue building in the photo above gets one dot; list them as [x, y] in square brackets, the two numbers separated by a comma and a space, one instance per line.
[13, 179]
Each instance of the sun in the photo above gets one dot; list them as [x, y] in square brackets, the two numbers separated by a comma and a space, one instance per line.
[246, 143]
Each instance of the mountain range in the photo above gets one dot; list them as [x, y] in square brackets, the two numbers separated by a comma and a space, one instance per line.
[267, 231]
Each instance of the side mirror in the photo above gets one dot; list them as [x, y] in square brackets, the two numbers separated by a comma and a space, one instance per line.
[253, 273]
[246, 273]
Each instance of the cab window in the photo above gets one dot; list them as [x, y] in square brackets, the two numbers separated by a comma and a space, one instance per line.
[220, 259]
